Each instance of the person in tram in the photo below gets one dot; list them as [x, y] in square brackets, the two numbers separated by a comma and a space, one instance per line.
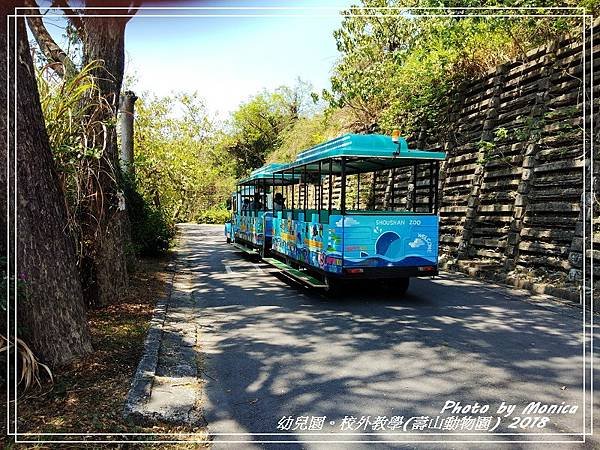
[256, 203]
[278, 202]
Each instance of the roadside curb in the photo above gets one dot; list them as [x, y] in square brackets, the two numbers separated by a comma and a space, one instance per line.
[143, 379]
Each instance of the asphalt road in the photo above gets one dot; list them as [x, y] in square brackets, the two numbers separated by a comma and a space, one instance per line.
[274, 349]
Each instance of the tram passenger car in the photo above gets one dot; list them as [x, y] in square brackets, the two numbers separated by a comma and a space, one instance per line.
[346, 219]
[250, 227]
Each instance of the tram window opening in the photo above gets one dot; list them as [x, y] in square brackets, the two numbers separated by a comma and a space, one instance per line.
[330, 188]
[257, 198]
[305, 193]
[293, 192]
[358, 191]
[273, 191]
[372, 193]
[410, 188]
[346, 185]
[320, 189]
[265, 203]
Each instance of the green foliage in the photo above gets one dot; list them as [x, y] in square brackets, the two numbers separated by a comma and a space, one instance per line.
[309, 131]
[214, 215]
[489, 151]
[501, 133]
[69, 110]
[151, 230]
[186, 166]
[257, 127]
[74, 112]
[182, 166]
[396, 71]
[72, 108]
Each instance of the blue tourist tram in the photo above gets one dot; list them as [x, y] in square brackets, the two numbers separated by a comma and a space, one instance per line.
[354, 207]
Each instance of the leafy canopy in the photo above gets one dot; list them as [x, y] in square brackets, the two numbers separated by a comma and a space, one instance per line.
[179, 163]
[395, 70]
[257, 127]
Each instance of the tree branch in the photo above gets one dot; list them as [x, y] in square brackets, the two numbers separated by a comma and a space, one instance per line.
[123, 19]
[74, 18]
[58, 59]
[133, 6]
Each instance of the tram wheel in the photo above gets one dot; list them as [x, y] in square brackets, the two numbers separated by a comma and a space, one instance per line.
[333, 286]
[396, 286]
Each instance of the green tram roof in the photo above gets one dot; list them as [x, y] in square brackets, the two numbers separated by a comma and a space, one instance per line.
[363, 152]
[266, 173]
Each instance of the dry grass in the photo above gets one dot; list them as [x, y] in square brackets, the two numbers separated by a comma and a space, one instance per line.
[88, 396]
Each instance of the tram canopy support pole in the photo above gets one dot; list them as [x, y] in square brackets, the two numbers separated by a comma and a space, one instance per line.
[373, 187]
[437, 180]
[320, 206]
[329, 196]
[358, 191]
[431, 186]
[264, 205]
[293, 192]
[343, 188]
[392, 189]
[305, 193]
[414, 191]
[282, 191]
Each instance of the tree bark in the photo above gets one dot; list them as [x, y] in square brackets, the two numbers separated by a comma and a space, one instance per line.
[57, 58]
[103, 218]
[106, 266]
[126, 116]
[52, 314]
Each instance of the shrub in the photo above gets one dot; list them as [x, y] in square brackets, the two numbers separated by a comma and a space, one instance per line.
[151, 231]
[180, 163]
[214, 215]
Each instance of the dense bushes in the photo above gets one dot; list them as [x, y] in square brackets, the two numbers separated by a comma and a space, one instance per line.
[214, 215]
[71, 107]
[181, 166]
[151, 230]
[396, 69]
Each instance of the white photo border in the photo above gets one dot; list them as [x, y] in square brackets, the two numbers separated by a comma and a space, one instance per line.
[334, 12]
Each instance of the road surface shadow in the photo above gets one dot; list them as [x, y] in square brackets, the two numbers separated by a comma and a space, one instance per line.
[281, 350]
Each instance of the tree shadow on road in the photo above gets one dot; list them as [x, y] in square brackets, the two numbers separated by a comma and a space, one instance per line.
[281, 350]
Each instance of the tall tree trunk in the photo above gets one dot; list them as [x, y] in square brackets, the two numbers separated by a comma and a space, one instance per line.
[105, 268]
[103, 220]
[126, 115]
[52, 314]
